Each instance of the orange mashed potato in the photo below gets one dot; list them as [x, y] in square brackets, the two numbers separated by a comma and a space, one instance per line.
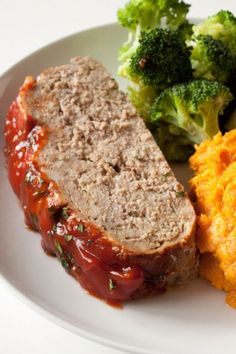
[214, 193]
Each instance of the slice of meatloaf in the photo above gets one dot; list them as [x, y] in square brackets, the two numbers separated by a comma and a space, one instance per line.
[96, 185]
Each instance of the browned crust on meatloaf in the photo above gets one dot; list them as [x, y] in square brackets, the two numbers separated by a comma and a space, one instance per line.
[111, 171]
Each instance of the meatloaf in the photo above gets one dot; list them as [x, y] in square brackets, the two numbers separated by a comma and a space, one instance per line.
[94, 183]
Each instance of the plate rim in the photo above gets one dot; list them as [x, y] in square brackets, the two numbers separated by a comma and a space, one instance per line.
[57, 41]
[45, 313]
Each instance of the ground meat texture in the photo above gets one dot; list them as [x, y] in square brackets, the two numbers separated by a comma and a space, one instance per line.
[110, 171]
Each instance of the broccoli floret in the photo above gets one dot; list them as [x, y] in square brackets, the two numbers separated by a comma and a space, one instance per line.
[174, 12]
[214, 49]
[211, 59]
[193, 107]
[139, 15]
[221, 26]
[186, 31]
[142, 98]
[161, 59]
[173, 143]
[151, 13]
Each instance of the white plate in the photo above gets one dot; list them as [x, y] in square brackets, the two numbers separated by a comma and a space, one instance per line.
[191, 321]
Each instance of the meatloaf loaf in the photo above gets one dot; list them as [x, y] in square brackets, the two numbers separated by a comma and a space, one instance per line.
[93, 182]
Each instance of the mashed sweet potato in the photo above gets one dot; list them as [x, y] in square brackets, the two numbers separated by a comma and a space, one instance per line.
[214, 192]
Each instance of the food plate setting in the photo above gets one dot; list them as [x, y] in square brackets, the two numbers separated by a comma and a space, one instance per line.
[169, 323]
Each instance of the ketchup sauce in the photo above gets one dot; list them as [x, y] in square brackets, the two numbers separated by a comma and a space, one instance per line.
[80, 246]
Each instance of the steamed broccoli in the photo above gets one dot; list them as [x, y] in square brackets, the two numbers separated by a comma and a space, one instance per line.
[139, 15]
[211, 59]
[193, 108]
[213, 41]
[160, 60]
[150, 13]
[142, 98]
[173, 142]
[221, 26]
[162, 56]
[142, 57]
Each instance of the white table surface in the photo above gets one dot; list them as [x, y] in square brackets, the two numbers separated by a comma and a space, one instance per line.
[25, 26]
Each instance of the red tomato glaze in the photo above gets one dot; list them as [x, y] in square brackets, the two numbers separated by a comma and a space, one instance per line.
[80, 246]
